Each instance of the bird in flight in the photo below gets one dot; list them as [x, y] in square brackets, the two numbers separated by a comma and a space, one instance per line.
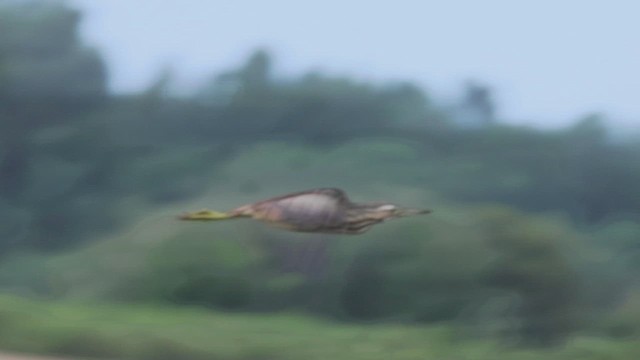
[322, 210]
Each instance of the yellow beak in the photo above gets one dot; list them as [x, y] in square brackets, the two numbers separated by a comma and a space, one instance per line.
[204, 215]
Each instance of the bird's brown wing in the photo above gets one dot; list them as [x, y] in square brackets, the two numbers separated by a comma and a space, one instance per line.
[306, 211]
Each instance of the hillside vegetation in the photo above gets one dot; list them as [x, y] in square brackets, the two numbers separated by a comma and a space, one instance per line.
[534, 241]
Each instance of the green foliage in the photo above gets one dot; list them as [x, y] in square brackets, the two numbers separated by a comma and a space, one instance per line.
[136, 332]
[624, 322]
[78, 164]
[45, 66]
[450, 269]
[49, 81]
[532, 264]
[412, 277]
[197, 268]
[64, 135]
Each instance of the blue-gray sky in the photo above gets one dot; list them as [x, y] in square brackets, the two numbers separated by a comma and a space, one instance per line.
[548, 61]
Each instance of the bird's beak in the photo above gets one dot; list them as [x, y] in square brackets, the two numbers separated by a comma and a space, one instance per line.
[204, 215]
[411, 212]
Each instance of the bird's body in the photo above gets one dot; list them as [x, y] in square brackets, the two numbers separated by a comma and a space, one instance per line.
[323, 210]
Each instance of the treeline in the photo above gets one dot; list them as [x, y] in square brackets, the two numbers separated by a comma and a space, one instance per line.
[67, 144]
[73, 156]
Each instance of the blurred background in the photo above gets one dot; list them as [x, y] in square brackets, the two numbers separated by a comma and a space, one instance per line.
[517, 123]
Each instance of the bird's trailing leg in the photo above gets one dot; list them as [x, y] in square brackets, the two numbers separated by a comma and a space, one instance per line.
[404, 212]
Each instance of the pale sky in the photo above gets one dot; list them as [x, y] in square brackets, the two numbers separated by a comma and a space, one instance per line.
[548, 61]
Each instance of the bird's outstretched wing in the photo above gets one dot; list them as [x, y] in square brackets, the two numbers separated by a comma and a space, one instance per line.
[305, 210]
[335, 194]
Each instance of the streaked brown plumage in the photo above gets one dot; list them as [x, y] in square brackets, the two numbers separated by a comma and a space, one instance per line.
[323, 210]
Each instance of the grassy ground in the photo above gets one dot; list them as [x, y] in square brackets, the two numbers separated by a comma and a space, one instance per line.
[7, 356]
[142, 332]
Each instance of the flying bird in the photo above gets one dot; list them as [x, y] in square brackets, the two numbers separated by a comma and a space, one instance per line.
[322, 210]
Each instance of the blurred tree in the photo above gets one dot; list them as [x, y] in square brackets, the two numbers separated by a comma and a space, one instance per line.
[49, 82]
[255, 76]
[49, 74]
[243, 104]
[532, 265]
[477, 109]
[604, 172]
[412, 278]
